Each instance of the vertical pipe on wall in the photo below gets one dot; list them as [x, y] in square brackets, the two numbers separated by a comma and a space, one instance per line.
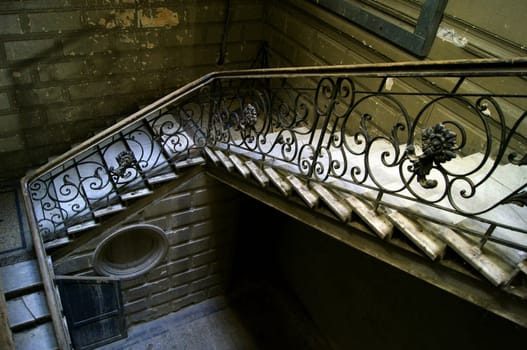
[225, 35]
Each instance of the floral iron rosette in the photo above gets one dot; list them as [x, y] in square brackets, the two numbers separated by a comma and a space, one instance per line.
[439, 144]
[125, 160]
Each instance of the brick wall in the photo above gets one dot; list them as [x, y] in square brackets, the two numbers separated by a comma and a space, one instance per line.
[200, 220]
[69, 68]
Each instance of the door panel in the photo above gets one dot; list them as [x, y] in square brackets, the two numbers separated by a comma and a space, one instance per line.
[94, 310]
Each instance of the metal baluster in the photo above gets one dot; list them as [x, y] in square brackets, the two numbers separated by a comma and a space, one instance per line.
[137, 166]
[458, 85]
[82, 190]
[59, 207]
[487, 235]
[325, 124]
[107, 168]
[157, 140]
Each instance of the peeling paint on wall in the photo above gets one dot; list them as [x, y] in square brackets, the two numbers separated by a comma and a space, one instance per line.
[163, 18]
[140, 18]
[121, 18]
[449, 35]
[389, 84]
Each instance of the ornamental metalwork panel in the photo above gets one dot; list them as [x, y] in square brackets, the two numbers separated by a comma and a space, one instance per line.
[444, 145]
[442, 149]
[96, 179]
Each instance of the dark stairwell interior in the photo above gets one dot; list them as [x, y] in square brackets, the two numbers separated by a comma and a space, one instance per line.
[293, 287]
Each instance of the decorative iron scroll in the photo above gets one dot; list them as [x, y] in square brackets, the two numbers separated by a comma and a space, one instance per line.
[383, 142]
[126, 160]
[519, 198]
[96, 178]
[439, 145]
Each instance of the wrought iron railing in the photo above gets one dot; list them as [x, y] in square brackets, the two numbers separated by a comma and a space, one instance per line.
[430, 139]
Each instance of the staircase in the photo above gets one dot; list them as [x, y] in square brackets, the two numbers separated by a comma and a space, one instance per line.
[501, 265]
[27, 309]
[421, 156]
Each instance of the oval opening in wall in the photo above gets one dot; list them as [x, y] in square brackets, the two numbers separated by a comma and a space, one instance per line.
[130, 251]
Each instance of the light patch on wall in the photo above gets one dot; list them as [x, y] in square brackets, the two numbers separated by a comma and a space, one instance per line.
[163, 17]
[388, 84]
[449, 35]
[125, 18]
[117, 19]
[128, 39]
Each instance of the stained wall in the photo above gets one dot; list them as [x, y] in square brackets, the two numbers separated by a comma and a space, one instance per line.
[70, 68]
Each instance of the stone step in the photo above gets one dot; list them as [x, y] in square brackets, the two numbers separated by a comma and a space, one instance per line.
[337, 206]
[162, 178]
[257, 173]
[212, 156]
[20, 278]
[490, 265]
[509, 175]
[41, 337]
[238, 164]
[109, 210]
[27, 310]
[56, 243]
[419, 232]
[283, 186]
[227, 163]
[514, 256]
[309, 197]
[141, 192]
[197, 160]
[377, 221]
[83, 226]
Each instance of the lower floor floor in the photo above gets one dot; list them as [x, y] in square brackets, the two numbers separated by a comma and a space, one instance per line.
[260, 317]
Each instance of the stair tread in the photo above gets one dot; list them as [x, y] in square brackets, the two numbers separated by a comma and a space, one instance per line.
[238, 164]
[227, 163]
[189, 162]
[376, 221]
[27, 309]
[508, 175]
[419, 233]
[137, 193]
[514, 256]
[21, 276]
[41, 337]
[309, 197]
[257, 173]
[489, 265]
[82, 226]
[108, 210]
[57, 243]
[277, 180]
[162, 178]
[341, 209]
[212, 156]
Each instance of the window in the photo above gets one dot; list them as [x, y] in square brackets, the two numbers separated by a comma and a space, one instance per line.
[130, 251]
[417, 42]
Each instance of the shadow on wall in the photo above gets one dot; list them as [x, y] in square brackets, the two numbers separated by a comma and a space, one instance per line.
[45, 115]
[361, 303]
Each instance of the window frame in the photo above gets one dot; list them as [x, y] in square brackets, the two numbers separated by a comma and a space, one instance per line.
[419, 42]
